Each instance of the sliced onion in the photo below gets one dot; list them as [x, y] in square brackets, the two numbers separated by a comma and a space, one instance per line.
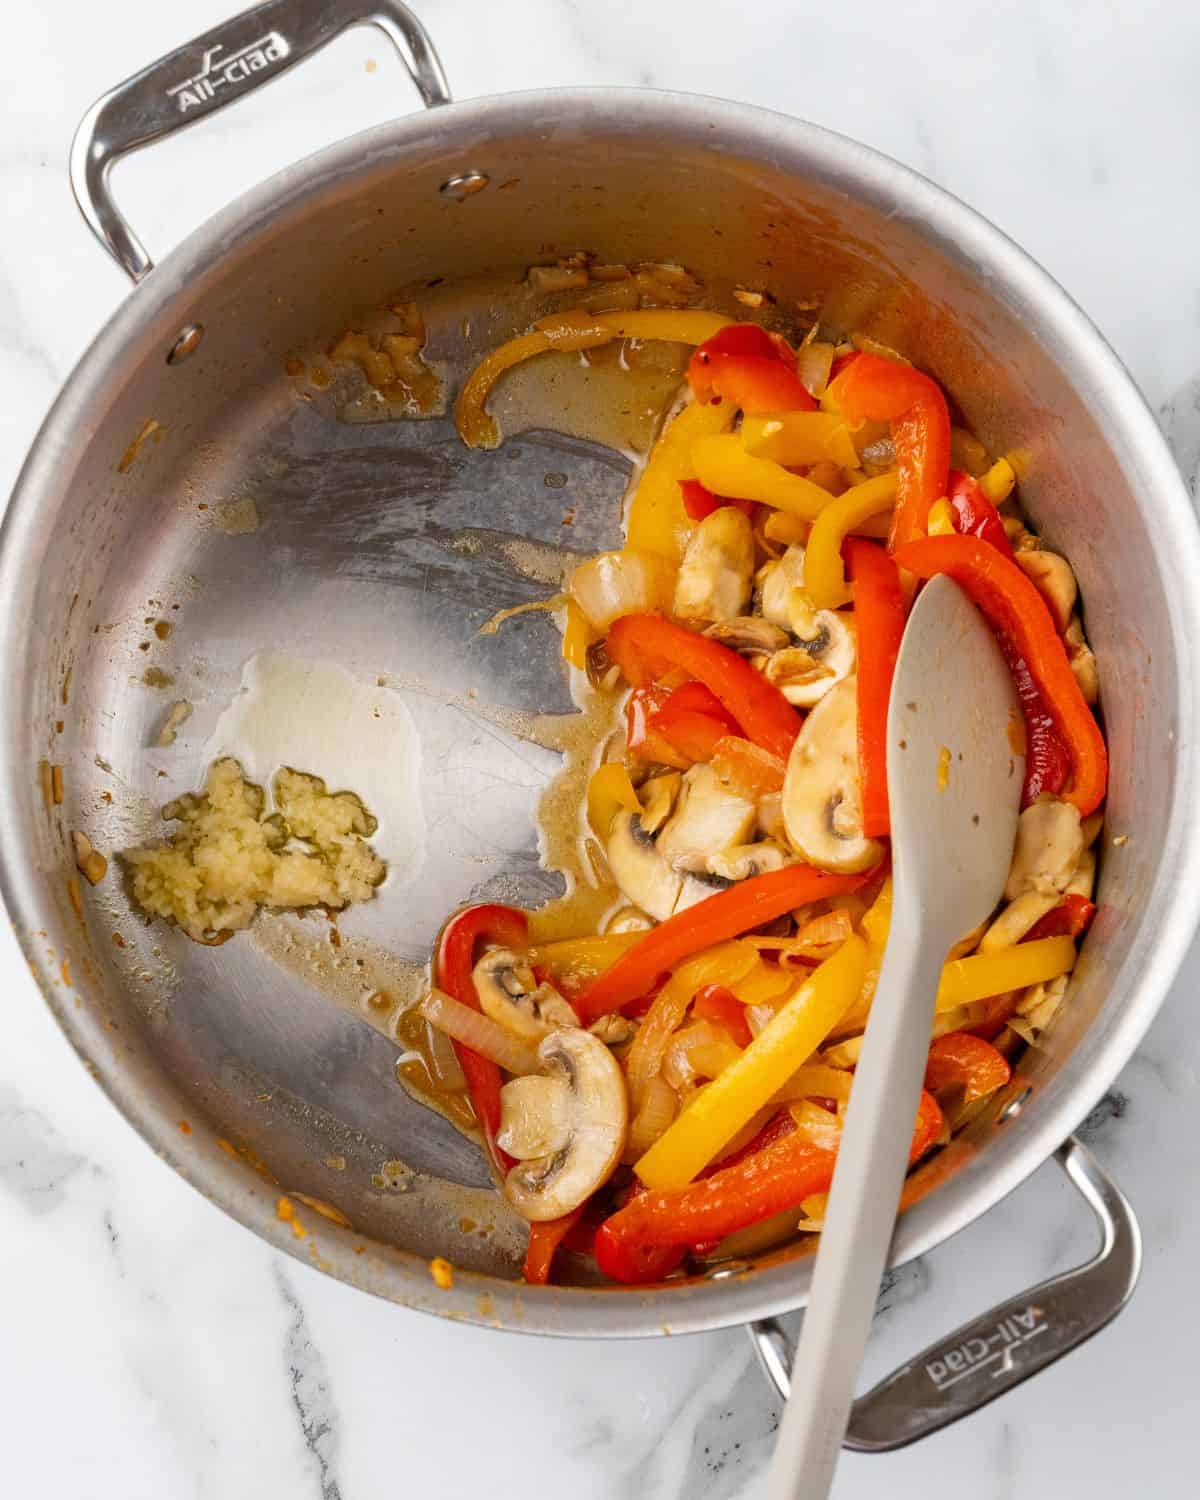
[813, 364]
[817, 1125]
[817, 1081]
[693, 1052]
[479, 1032]
[621, 583]
[755, 1238]
[660, 1105]
[444, 1066]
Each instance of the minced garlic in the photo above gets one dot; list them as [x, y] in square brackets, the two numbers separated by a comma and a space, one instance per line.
[228, 859]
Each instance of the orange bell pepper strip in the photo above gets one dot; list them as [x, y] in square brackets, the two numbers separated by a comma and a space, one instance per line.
[647, 647]
[969, 1061]
[873, 389]
[879, 614]
[720, 1005]
[544, 1240]
[751, 369]
[748, 769]
[1019, 615]
[779, 1176]
[747, 904]
[452, 966]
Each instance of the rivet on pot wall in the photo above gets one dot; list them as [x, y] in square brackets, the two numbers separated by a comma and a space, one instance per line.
[1014, 1107]
[730, 1268]
[464, 184]
[187, 343]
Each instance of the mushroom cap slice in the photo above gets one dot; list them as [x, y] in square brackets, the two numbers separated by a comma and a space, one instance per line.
[825, 653]
[512, 997]
[658, 797]
[708, 818]
[822, 797]
[644, 876]
[535, 1116]
[596, 1108]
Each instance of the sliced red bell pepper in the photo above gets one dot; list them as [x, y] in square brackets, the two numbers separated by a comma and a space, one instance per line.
[776, 1177]
[454, 960]
[713, 1002]
[544, 1240]
[746, 905]
[695, 721]
[1018, 613]
[996, 1012]
[749, 367]
[873, 389]
[879, 615]
[969, 1061]
[974, 513]
[647, 647]
[1070, 918]
[700, 502]
[641, 734]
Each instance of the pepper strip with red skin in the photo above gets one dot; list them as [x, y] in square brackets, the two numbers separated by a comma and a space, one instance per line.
[879, 615]
[694, 721]
[752, 369]
[728, 914]
[873, 389]
[1047, 763]
[968, 1061]
[1018, 613]
[1070, 918]
[646, 647]
[507, 927]
[544, 1240]
[700, 502]
[777, 1177]
[716, 1003]
[974, 513]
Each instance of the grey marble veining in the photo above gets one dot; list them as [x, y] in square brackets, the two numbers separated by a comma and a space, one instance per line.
[153, 1347]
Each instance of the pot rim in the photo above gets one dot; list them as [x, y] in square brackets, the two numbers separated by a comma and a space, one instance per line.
[1173, 906]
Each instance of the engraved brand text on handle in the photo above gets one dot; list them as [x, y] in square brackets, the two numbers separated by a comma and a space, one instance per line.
[980, 1351]
[217, 72]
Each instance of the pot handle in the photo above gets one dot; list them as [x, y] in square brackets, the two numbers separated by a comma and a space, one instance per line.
[1006, 1345]
[226, 63]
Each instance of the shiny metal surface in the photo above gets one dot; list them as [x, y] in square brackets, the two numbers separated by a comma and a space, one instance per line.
[1004, 1346]
[216, 69]
[361, 558]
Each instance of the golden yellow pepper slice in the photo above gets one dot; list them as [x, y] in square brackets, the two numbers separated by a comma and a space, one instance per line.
[724, 466]
[997, 484]
[657, 520]
[720, 1110]
[981, 975]
[824, 572]
[799, 437]
[575, 329]
[582, 958]
[609, 790]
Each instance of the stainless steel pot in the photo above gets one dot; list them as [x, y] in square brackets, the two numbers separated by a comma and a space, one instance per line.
[383, 546]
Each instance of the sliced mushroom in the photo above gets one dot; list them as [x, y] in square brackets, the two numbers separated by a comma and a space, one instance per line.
[1083, 662]
[781, 588]
[709, 818]
[822, 798]
[510, 995]
[744, 860]
[535, 1116]
[644, 876]
[1049, 843]
[588, 1116]
[717, 568]
[806, 672]
[658, 797]
[614, 1030]
[1053, 578]
[697, 888]
[749, 635]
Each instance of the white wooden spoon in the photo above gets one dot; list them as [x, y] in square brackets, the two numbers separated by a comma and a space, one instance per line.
[954, 785]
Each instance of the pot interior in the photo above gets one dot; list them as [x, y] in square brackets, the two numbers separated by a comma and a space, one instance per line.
[256, 517]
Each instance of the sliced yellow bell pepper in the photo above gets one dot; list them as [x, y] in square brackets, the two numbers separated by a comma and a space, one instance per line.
[582, 958]
[764, 983]
[609, 790]
[824, 572]
[965, 980]
[657, 520]
[719, 1111]
[941, 519]
[997, 484]
[723, 466]
[577, 637]
[576, 328]
[799, 437]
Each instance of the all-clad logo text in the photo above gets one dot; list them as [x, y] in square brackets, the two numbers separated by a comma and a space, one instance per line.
[981, 1350]
[220, 72]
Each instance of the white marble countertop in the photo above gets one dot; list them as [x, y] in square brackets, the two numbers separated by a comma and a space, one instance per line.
[153, 1347]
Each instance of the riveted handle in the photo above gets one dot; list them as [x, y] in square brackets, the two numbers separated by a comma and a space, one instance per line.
[1006, 1345]
[225, 64]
